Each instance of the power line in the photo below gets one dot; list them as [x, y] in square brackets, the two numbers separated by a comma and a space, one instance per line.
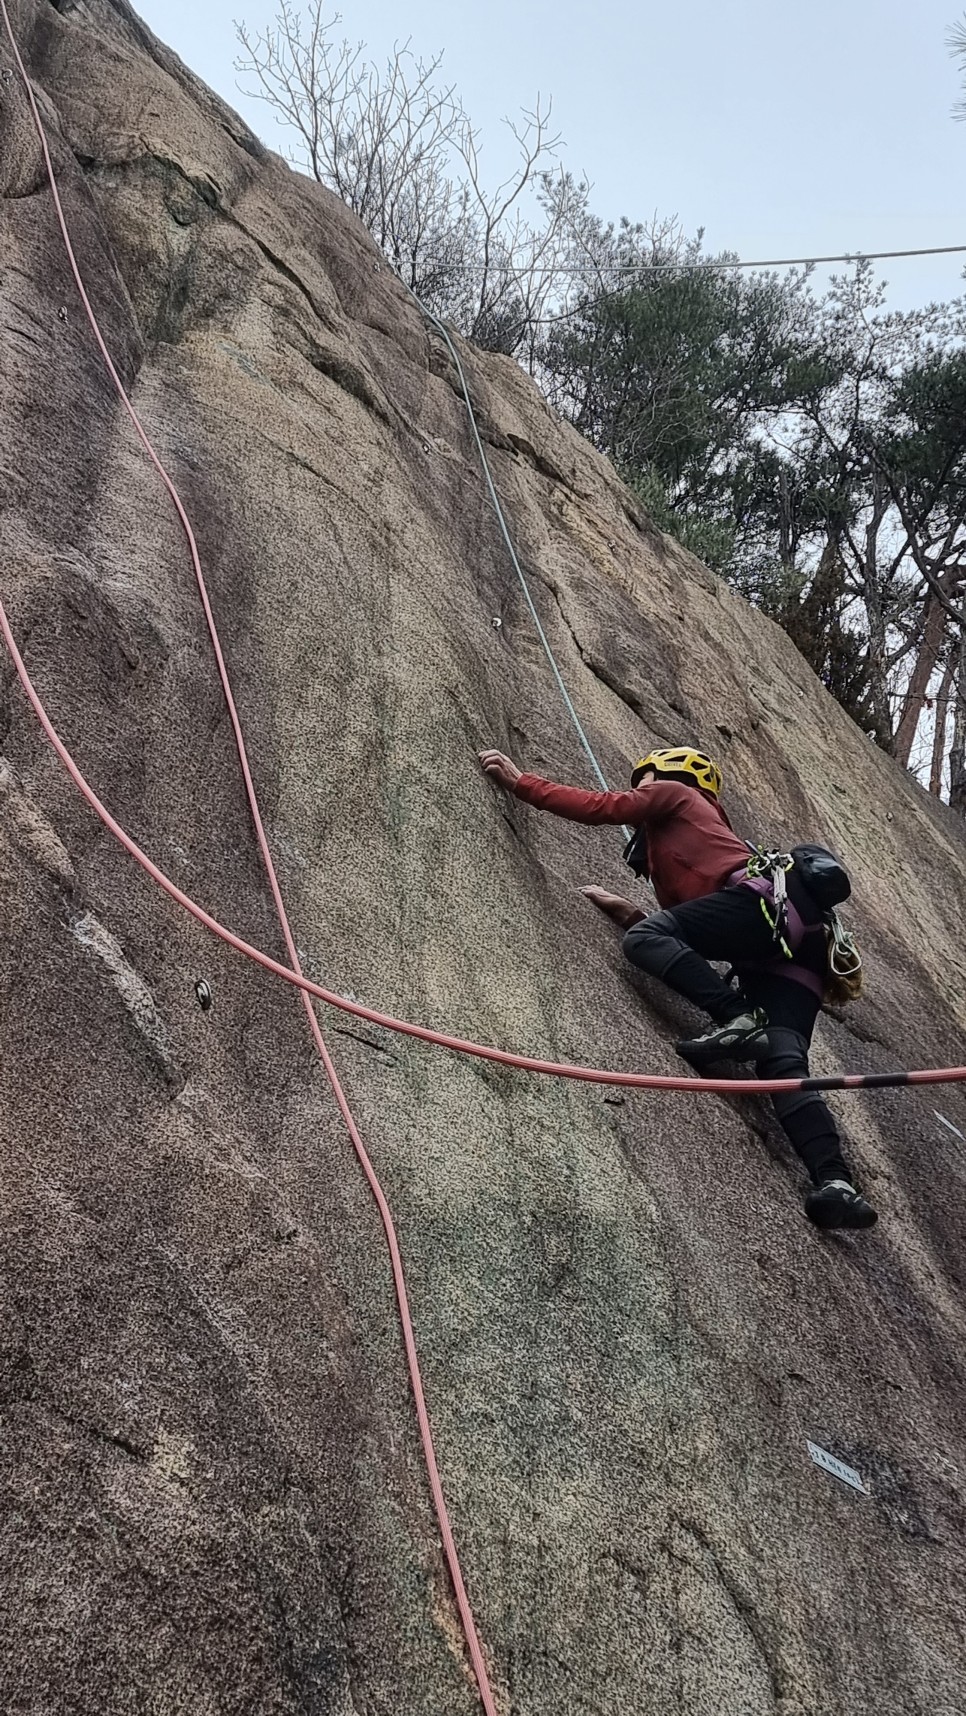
[638, 269]
[713, 266]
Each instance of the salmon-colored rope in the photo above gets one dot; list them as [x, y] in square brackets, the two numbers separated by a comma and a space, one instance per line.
[425, 1431]
[441, 1039]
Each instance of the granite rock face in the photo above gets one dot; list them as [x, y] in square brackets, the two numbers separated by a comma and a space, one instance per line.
[213, 1493]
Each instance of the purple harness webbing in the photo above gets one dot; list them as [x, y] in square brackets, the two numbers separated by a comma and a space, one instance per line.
[798, 929]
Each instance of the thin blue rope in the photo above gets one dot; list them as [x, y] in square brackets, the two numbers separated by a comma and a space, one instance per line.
[558, 676]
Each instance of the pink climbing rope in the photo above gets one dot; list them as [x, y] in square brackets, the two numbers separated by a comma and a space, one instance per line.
[406, 1027]
[425, 1431]
[441, 1039]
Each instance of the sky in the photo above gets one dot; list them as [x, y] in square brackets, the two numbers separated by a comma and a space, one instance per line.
[783, 129]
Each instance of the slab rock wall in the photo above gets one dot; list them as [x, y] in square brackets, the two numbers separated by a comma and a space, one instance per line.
[213, 1495]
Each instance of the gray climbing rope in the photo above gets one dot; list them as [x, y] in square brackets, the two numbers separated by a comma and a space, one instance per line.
[443, 331]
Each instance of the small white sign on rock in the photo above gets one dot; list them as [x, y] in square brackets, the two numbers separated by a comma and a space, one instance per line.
[838, 1468]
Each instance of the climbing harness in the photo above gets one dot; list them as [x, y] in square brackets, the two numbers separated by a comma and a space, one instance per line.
[827, 882]
[773, 867]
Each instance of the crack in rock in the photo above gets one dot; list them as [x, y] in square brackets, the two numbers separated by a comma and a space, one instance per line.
[35, 833]
[91, 935]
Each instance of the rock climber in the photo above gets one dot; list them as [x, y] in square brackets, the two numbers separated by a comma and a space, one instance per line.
[710, 910]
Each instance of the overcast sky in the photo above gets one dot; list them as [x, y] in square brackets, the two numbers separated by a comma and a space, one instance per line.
[781, 129]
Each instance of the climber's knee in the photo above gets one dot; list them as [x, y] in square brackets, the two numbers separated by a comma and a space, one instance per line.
[653, 944]
[787, 1055]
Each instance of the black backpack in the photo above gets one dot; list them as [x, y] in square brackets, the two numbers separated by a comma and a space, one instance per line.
[821, 875]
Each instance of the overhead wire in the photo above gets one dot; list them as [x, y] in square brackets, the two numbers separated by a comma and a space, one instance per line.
[717, 264]
[638, 271]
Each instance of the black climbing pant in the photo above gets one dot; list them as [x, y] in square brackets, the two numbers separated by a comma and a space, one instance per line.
[731, 927]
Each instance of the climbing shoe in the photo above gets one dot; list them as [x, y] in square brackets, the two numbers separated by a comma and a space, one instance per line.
[837, 1204]
[741, 1039]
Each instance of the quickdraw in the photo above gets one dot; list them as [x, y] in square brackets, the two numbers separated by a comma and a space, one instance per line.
[775, 867]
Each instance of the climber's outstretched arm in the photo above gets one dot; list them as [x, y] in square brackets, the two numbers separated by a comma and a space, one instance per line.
[649, 803]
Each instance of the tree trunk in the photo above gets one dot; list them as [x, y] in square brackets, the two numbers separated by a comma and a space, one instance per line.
[878, 688]
[872, 595]
[957, 750]
[939, 732]
[927, 656]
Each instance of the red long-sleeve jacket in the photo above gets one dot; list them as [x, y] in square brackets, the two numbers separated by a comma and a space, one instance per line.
[692, 848]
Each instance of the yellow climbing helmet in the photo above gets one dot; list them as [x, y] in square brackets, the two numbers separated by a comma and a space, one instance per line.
[703, 770]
